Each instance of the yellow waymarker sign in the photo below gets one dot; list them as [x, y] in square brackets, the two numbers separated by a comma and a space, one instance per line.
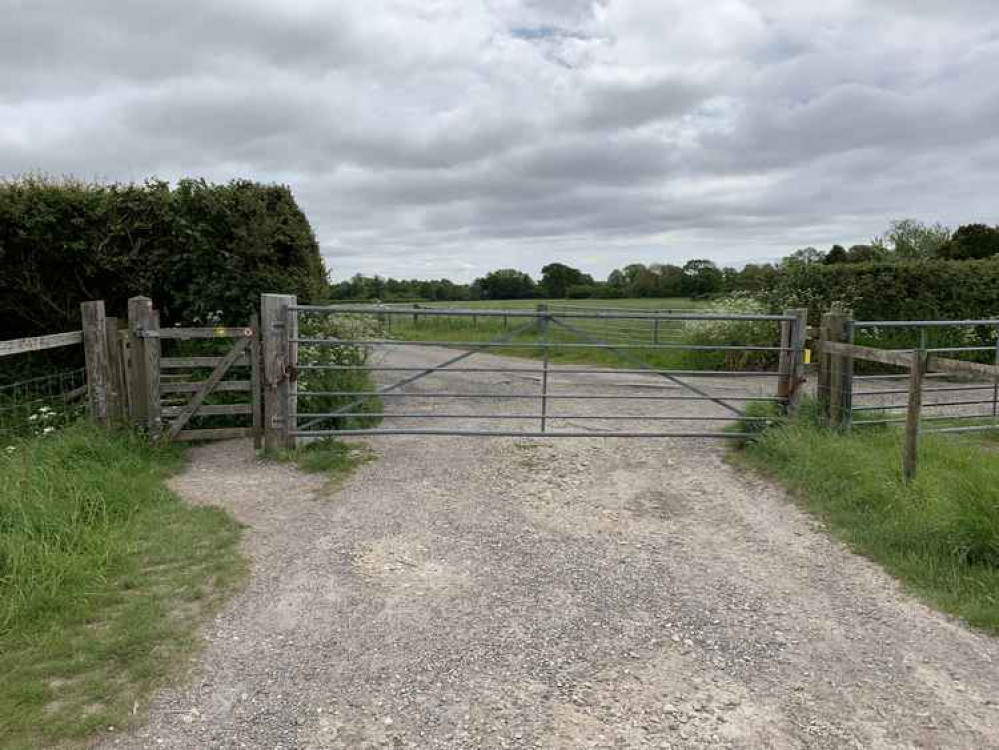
[808, 356]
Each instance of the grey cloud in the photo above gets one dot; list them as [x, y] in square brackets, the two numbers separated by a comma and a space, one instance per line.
[448, 138]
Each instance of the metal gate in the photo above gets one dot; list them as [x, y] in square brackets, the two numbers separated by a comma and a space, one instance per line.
[550, 372]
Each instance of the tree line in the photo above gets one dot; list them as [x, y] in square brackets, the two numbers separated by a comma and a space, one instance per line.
[905, 240]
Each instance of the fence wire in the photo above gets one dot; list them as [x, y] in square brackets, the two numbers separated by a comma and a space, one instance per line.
[878, 395]
[38, 405]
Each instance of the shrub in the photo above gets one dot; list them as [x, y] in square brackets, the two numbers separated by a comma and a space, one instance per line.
[197, 249]
[922, 290]
[353, 380]
[732, 333]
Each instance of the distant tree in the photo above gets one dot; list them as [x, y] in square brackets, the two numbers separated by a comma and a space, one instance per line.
[805, 256]
[836, 254]
[865, 253]
[971, 242]
[730, 279]
[616, 284]
[756, 278]
[505, 283]
[669, 280]
[910, 239]
[645, 282]
[701, 277]
[556, 278]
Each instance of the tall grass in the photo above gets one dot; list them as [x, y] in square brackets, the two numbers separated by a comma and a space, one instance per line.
[104, 574]
[939, 534]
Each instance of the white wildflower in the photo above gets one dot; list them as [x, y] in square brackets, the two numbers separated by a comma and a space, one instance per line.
[47, 430]
[11, 448]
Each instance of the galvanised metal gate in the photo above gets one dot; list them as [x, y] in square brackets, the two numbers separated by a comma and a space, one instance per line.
[346, 370]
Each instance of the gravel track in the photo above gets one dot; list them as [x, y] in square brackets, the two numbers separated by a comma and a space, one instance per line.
[509, 593]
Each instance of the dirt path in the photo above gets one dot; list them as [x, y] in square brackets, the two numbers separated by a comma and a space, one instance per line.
[462, 593]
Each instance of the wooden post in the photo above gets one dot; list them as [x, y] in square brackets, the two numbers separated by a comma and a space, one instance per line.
[274, 343]
[291, 379]
[117, 411]
[911, 447]
[95, 349]
[833, 379]
[255, 390]
[143, 331]
[793, 335]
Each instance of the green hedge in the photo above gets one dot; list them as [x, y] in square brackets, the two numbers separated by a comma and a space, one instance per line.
[928, 290]
[203, 252]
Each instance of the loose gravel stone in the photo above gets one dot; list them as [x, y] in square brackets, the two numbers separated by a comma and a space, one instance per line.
[505, 593]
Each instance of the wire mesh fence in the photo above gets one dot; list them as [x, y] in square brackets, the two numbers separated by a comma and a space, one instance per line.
[42, 404]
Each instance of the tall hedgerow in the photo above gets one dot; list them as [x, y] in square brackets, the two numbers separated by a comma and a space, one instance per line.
[918, 290]
[200, 250]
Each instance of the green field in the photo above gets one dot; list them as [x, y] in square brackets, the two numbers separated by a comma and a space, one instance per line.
[659, 344]
[645, 304]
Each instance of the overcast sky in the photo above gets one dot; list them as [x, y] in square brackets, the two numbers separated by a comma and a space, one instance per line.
[429, 138]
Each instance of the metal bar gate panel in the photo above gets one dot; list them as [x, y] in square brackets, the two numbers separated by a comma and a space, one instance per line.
[342, 360]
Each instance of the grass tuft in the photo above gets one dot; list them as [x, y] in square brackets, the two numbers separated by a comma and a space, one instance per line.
[104, 576]
[330, 456]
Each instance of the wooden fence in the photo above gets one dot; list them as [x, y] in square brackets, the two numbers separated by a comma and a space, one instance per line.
[835, 376]
[128, 382]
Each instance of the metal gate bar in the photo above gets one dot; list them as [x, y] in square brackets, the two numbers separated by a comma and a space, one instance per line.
[517, 433]
[581, 340]
[628, 358]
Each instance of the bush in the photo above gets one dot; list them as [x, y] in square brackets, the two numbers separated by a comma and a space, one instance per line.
[581, 291]
[732, 333]
[199, 250]
[922, 290]
[356, 379]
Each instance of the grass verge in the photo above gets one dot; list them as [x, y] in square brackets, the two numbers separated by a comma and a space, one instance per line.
[939, 535]
[104, 576]
[331, 457]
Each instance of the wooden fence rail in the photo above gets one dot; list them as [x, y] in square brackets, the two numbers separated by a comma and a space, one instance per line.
[836, 371]
[40, 343]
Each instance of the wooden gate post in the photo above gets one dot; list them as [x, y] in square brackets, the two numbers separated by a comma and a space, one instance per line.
[278, 325]
[144, 378]
[95, 350]
[791, 370]
[835, 371]
[911, 447]
[117, 399]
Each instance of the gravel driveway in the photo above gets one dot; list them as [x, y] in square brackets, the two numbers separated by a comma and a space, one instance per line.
[507, 593]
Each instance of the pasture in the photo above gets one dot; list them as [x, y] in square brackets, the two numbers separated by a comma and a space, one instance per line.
[662, 343]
